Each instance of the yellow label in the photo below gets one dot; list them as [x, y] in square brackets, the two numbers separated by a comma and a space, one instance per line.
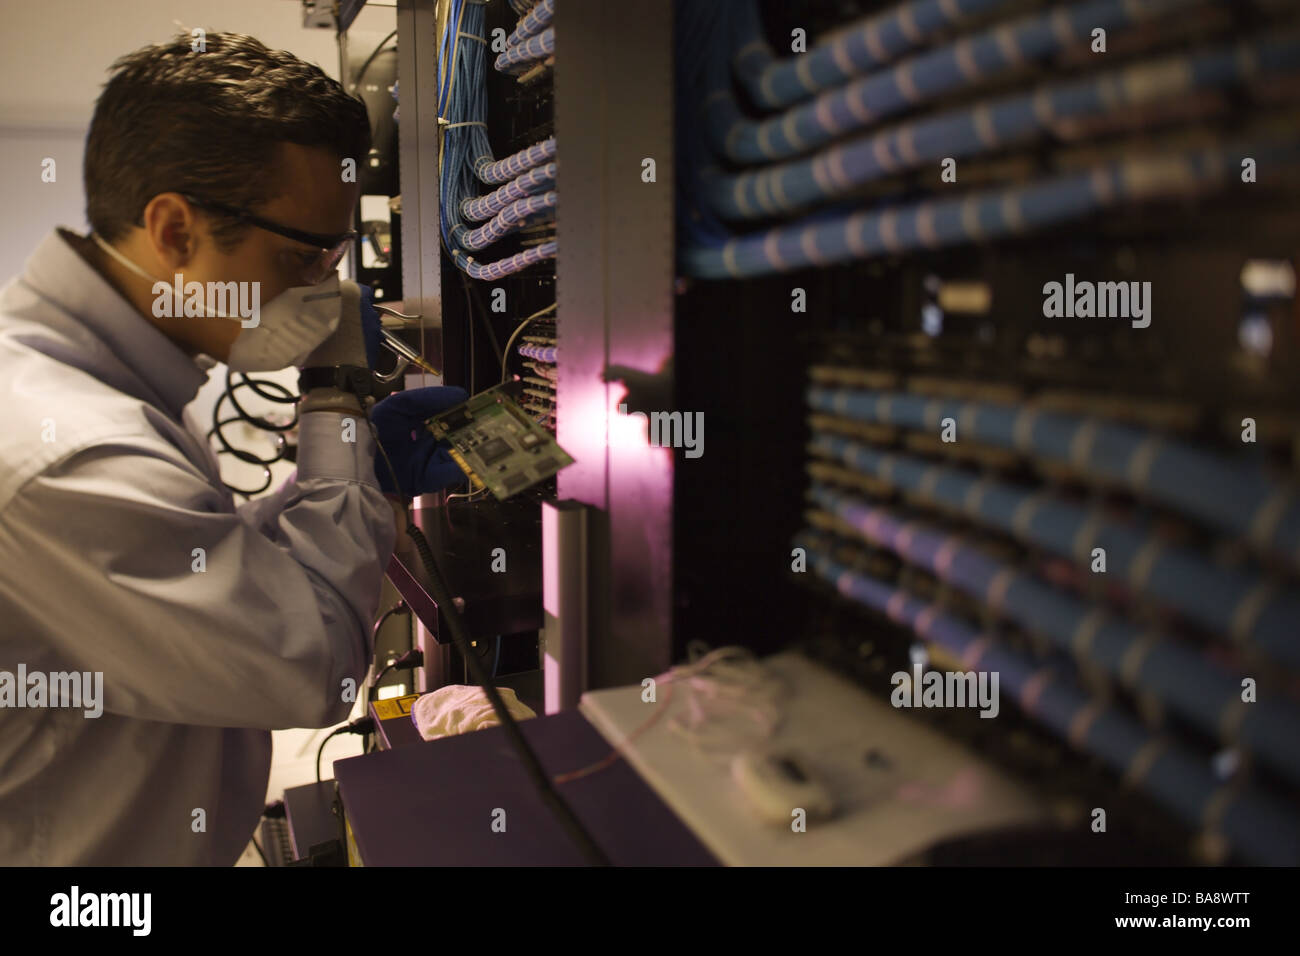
[394, 707]
[459, 459]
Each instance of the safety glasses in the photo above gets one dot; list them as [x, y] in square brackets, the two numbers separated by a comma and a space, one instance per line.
[332, 247]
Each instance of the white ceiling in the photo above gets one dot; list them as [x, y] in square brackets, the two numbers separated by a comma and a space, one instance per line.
[54, 54]
[54, 59]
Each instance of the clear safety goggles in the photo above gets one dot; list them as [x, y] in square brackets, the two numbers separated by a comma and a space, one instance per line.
[332, 247]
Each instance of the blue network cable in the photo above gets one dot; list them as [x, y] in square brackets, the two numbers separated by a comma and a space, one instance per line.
[720, 44]
[1240, 604]
[536, 20]
[543, 353]
[857, 48]
[527, 184]
[531, 41]
[1170, 671]
[993, 125]
[517, 59]
[963, 65]
[1251, 818]
[1239, 497]
[522, 212]
[467, 158]
[988, 214]
[504, 170]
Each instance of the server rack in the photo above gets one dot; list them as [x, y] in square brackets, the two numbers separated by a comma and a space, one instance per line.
[709, 549]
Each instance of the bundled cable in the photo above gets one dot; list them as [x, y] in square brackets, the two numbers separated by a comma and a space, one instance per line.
[962, 65]
[519, 213]
[1239, 497]
[1173, 673]
[541, 353]
[734, 167]
[523, 56]
[858, 48]
[995, 124]
[465, 156]
[988, 214]
[536, 20]
[504, 170]
[1239, 603]
[1252, 819]
[527, 184]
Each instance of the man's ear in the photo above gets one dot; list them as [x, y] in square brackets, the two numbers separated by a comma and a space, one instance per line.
[170, 227]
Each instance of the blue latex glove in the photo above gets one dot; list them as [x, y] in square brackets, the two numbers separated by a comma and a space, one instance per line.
[421, 461]
[370, 325]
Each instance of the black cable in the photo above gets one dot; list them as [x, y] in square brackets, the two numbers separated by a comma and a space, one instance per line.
[321, 749]
[284, 397]
[362, 725]
[412, 658]
[442, 597]
[356, 83]
[475, 306]
[265, 861]
[400, 607]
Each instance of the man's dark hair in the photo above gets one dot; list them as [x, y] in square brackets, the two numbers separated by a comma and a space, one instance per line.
[173, 120]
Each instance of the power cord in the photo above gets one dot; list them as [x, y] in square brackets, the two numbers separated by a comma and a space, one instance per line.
[362, 725]
[361, 72]
[400, 607]
[550, 796]
[258, 848]
[442, 596]
[412, 658]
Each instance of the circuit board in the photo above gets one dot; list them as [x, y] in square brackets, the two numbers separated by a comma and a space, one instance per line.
[496, 444]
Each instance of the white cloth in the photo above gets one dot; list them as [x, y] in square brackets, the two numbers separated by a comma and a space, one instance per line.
[104, 497]
[460, 708]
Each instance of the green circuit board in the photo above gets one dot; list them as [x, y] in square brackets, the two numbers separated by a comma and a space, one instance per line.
[497, 444]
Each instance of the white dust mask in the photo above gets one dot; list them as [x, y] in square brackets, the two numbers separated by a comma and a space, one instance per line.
[278, 335]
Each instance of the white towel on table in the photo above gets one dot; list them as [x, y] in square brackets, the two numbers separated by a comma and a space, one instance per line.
[460, 708]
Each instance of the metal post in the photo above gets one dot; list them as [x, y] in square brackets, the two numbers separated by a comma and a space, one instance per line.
[614, 282]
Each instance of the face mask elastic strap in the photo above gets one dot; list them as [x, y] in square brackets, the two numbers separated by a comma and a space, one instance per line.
[146, 275]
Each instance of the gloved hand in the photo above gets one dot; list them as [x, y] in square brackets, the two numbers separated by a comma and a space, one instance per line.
[421, 461]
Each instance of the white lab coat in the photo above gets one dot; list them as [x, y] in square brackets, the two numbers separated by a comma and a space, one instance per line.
[105, 495]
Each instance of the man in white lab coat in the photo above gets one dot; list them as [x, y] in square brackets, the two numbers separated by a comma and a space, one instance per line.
[130, 582]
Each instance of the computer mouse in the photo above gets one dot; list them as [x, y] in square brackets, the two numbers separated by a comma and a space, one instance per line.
[777, 782]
